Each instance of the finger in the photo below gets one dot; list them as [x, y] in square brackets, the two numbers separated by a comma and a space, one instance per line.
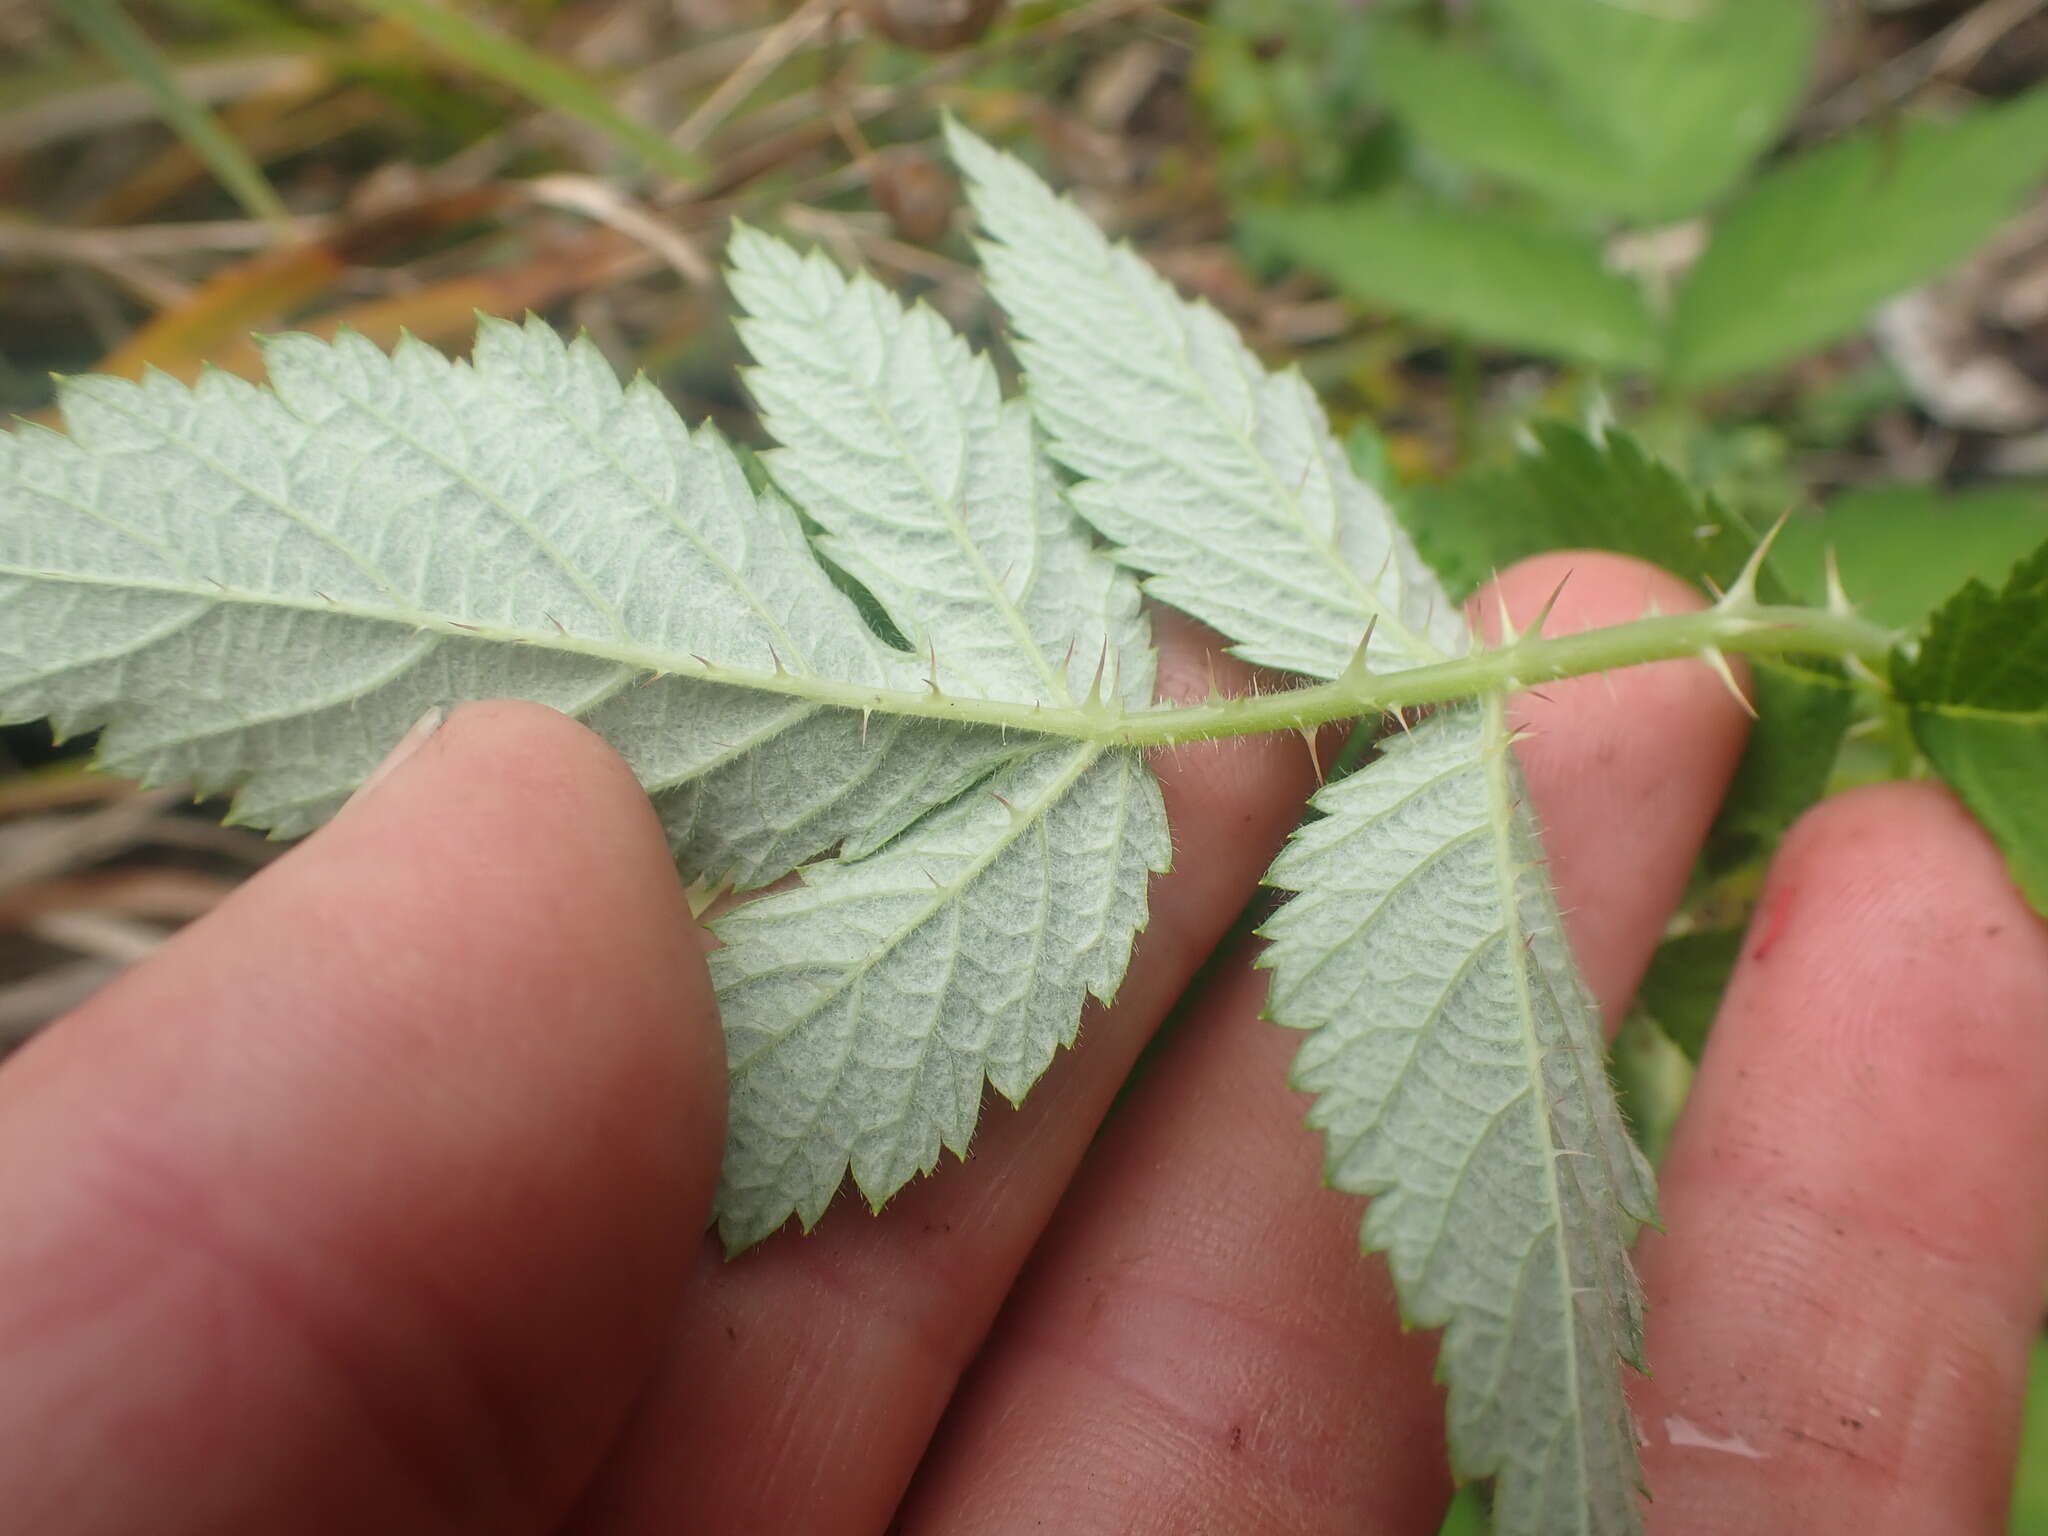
[804, 1379]
[1198, 1344]
[358, 1207]
[1841, 1312]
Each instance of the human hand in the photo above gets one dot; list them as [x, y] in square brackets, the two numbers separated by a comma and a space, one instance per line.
[374, 1202]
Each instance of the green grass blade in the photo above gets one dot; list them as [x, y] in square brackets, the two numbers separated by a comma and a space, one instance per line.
[104, 23]
[536, 77]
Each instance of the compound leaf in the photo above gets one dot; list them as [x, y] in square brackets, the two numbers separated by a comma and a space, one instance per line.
[1686, 95]
[1423, 930]
[1811, 247]
[1218, 478]
[864, 1009]
[253, 589]
[1645, 112]
[1490, 276]
[1978, 692]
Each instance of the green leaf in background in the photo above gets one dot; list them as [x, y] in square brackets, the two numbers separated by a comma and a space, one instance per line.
[1802, 709]
[1284, 87]
[1901, 549]
[1571, 491]
[2030, 1492]
[1645, 112]
[1652, 1080]
[1689, 93]
[1469, 107]
[1804, 255]
[1467, 1515]
[1489, 276]
[1978, 692]
[1683, 986]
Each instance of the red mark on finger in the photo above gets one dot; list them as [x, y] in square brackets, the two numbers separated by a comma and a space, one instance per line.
[1769, 923]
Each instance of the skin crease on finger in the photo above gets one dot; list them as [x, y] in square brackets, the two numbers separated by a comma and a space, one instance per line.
[1198, 1344]
[359, 1207]
[803, 1380]
[1842, 1309]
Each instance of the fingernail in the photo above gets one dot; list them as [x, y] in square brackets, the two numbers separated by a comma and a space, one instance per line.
[408, 744]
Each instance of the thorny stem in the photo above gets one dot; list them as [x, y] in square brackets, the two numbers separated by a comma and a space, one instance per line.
[1751, 629]
[1737, 624]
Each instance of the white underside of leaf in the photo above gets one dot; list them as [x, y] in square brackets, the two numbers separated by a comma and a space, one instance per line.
[1454, 1052]
[259, 590]
[933, 493]
[1218, 478]
[1456, 1059]
[864, 1008]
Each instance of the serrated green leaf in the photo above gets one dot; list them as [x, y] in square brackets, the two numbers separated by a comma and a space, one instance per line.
[1571, 490]
[1487, 275]
[1225, 482]
[1902, 549]
[1644, 112]
[1456, 1062]
[1682, 988]
[1805, 254]
[1978, 692]
[1803, 712]
[1218, 478]
[1688, 94]
[1471, 106]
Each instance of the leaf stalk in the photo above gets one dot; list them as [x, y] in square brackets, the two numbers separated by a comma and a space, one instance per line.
[1747, 628]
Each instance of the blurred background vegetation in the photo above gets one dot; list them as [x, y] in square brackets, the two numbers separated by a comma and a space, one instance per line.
[1644, 274]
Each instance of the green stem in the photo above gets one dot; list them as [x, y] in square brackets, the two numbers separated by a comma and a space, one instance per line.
[1750, 630]
[1742, 627]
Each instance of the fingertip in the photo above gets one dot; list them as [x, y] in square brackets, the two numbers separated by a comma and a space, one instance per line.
[1853, 1270]
[596, 908]
[387, 1170]
[1893, 828]
[1591, 587]
[1897, 880]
